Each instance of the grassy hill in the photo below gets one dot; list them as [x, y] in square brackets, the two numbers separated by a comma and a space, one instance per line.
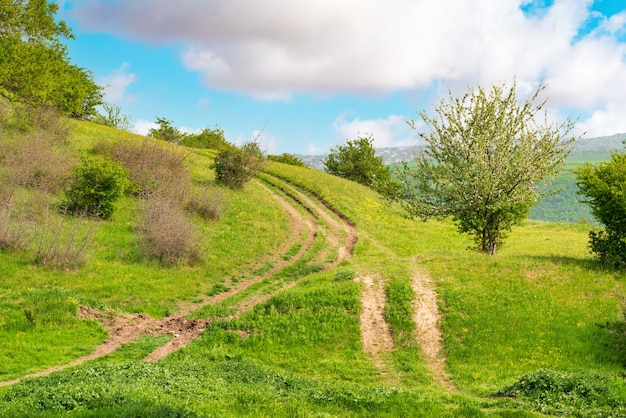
[306, 296]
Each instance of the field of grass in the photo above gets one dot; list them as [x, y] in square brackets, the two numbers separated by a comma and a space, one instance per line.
[532, 319]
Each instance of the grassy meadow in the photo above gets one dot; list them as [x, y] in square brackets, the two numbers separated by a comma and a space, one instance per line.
[536, 329]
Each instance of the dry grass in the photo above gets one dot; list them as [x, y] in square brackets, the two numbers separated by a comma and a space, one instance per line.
[60, 242]
[166, 233]
[208, 205]
[155, 168]
[15, 234]
[35, 160]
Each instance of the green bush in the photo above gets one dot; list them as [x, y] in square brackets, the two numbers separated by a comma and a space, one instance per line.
[97, 184]
[357, 161]
[234, 167]
[563, 393]
[604, 187]
[287, 158]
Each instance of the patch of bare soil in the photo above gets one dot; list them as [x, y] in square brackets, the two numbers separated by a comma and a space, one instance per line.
[376, 336]
[427, 320]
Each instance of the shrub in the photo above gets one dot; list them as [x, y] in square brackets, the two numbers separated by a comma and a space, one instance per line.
[34, 160]
[97, 184]
[209, 204]
[234, 166]
[563, 393]
[287, 158]
[165, 232]
[14, 234]
[604, 187]
[357, 161]
[207, 138]
[113, 117]
[60, 243]
[153, 167]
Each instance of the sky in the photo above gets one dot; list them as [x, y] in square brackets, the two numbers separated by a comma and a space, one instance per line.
[305, 76]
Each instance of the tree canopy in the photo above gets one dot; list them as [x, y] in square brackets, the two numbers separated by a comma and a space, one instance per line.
[485, 155]
[604, 189]
[34, 64]
[356, 160]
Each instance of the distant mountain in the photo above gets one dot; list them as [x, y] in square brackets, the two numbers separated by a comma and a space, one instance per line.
[392, 155]
[600, 144]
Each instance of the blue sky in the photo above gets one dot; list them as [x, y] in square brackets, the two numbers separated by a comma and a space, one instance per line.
[313, 73]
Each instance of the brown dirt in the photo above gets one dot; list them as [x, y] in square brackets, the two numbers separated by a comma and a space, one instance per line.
[376, 338]
[429, 335]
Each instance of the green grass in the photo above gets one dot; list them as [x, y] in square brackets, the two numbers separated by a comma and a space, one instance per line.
[537, 305]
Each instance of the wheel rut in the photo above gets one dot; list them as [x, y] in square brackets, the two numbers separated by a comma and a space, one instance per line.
[309, 216]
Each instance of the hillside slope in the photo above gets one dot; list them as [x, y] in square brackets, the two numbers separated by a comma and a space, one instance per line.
[309, 297]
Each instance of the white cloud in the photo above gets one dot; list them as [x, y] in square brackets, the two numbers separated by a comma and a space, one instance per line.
[275, 48]
[390, 132]
[603, 122]
[116, 82]
[142, 127]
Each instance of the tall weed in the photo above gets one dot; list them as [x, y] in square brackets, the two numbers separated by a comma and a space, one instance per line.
[166, 233]
[154, 166]
[60, 242]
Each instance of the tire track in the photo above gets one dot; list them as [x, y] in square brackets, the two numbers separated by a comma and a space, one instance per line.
[123, 328]
[376, 338]
[427, 320]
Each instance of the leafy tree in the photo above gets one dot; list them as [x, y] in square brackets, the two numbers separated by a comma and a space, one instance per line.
[287, 158]
[486, 153]
[34, 65]
[207, 138]
[166, 131]
[357, 161]
[604, 188]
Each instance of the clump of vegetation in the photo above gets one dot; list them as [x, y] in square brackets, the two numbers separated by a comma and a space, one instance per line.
[486, 153]
[357, 161]
[209, 204]
[235, 166]
[287, 158]
[166, 233]
[563, 393]
[60, 242]
[97, 184]
[166, 131]
[112, 117]
[604, 187]
[207, 138]
[153, 167]
[14, 235]
[31, 148]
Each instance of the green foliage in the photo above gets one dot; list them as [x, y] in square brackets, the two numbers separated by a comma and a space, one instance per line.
[34, 66]
[97, 184]
[564, 205]
[357, 161]
[112, 117]
[166, 131]
[234, 166]
[486, 153]
[604, 189]
[287, 158]
[207, 139]
[564, 393]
